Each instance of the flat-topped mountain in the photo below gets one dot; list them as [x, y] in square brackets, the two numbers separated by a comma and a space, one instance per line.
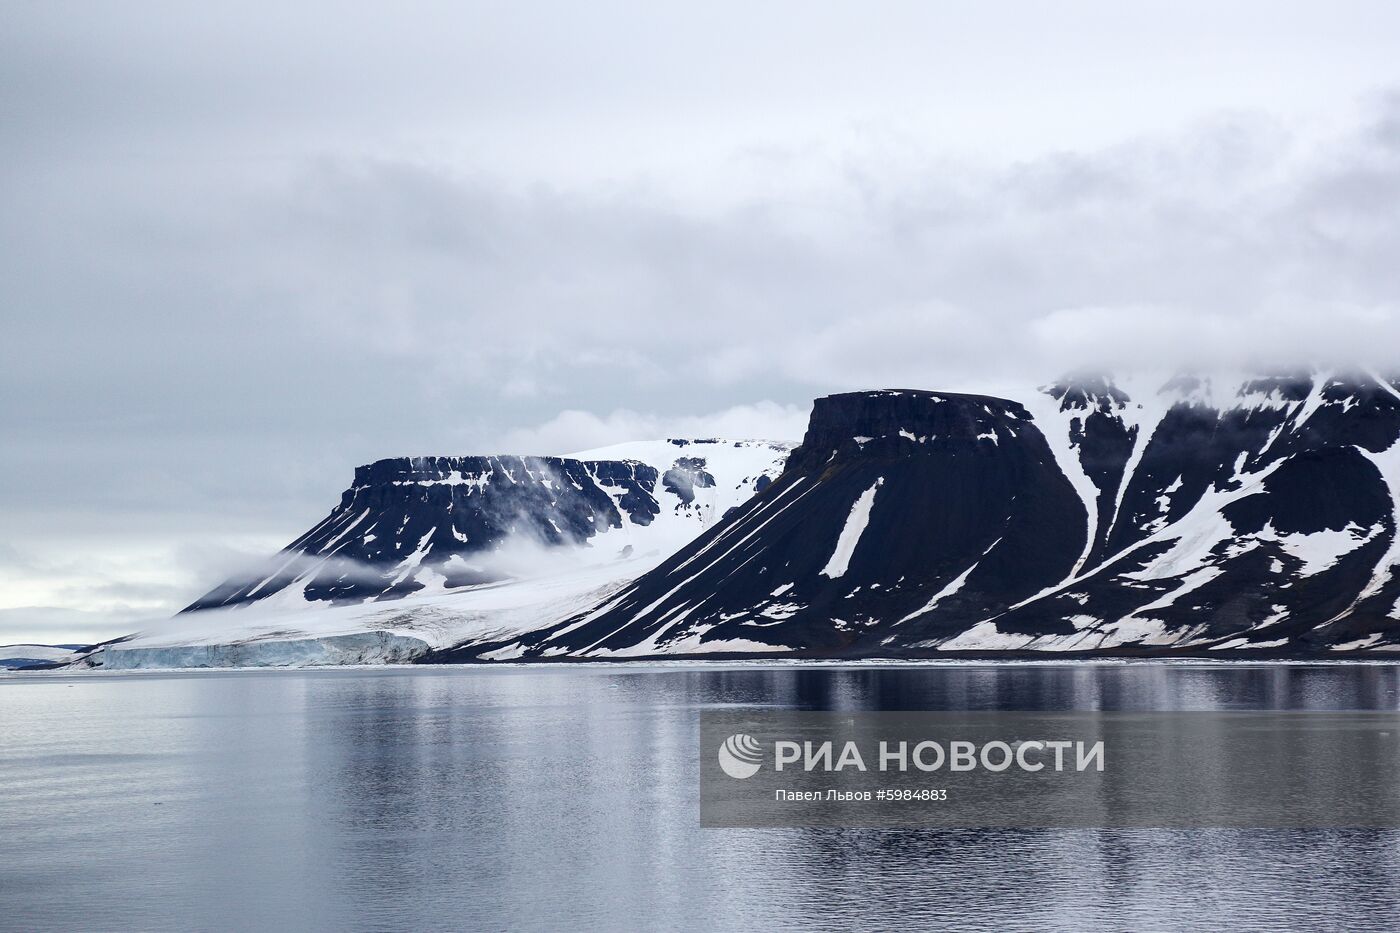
[413, 525]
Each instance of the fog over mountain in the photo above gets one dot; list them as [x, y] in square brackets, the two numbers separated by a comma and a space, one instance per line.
[249, 249]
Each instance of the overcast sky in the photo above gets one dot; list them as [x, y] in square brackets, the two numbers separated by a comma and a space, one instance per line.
[246, 247]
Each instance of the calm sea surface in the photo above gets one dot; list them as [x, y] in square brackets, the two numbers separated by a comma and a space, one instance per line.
[565, 798]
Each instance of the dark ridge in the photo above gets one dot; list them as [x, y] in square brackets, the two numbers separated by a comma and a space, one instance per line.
[951, 484]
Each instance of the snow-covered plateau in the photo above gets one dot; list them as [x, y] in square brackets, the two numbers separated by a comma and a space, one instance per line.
[18, 656]
[424, 554]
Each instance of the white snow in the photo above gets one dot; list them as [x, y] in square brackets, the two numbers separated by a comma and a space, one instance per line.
[1164, 500]
[691, 644]
[280, 635]
[1092, 633]
[850, 534]
[951, 587]
[984, 636]
[330, 545]
[1313, 402]
[1366, 642]
[1055, 425]
[1192, 538]
[1388, 463]
[455, 478]
[1151, 407]
[758, 519]
[736, 466]
[1191, 581]
[34, 653]
[1134, 631]
[1243, 642]
[416, 558]
[1321, 550]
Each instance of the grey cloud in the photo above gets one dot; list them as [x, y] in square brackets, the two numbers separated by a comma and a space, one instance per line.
[368, 307]
[47, 625]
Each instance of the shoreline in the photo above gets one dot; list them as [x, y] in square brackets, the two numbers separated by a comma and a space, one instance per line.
[640, 665]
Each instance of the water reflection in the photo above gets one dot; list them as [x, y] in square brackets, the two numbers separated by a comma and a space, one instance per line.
[494, 798]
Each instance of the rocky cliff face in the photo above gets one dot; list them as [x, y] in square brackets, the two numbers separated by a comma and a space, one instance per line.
[423, 524]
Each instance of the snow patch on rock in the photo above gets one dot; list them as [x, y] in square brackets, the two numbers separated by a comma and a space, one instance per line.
[851, 533]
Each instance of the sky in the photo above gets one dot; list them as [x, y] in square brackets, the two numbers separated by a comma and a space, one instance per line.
[247, 247]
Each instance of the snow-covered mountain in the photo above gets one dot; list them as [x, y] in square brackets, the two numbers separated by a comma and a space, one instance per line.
[433, 524]
[1190, 516]
[14, 657]
[1198, 516]
[427, 552]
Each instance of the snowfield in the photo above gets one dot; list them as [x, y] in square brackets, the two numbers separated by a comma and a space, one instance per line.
[393, 632]
[22, 655]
